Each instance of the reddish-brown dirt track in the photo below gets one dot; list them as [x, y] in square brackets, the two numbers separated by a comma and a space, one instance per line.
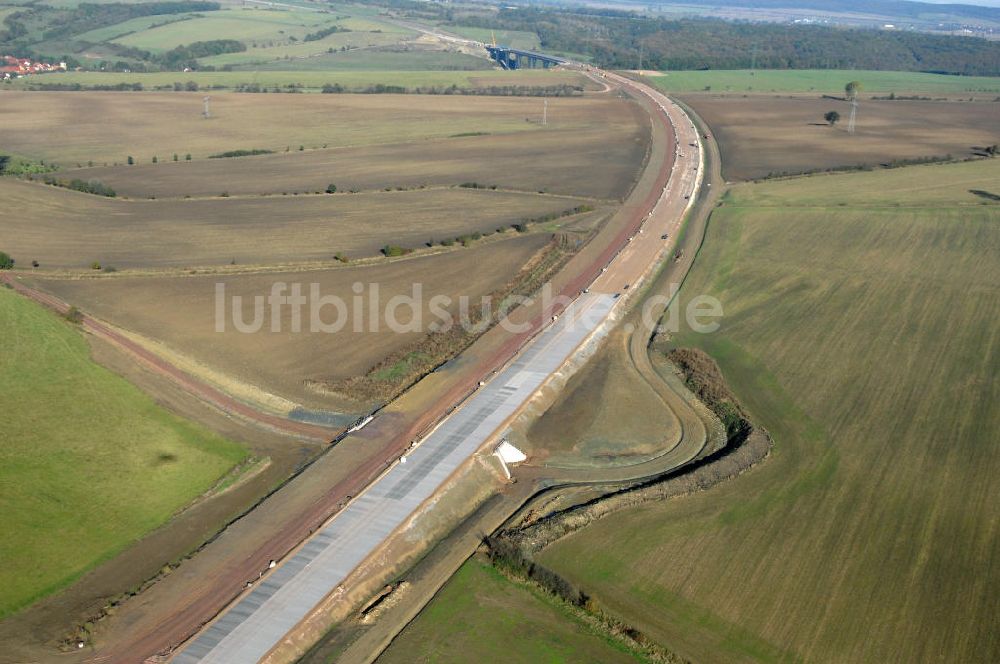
[203, 391]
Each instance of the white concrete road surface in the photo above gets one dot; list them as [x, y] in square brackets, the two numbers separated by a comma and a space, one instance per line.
[264, 614]
[258, 621]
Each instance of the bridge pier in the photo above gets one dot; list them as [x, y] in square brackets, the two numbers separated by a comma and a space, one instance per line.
[514, 58]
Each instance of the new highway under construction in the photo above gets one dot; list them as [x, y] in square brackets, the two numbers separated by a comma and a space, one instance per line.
[268, 611]
[251, 590]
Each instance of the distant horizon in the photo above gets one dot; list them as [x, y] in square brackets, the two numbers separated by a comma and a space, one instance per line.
[993, 4]
[979, 3]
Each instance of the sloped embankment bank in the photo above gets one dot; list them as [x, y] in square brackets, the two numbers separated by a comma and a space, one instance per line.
[513, 549]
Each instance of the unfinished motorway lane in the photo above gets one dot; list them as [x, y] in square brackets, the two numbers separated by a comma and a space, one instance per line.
[259, 620]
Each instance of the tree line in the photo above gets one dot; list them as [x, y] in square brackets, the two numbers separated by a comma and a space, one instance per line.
[617, 40]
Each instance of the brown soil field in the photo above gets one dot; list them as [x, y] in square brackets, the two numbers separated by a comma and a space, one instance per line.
[601, 161]
[108, 127]
[179, 311]
[66, 229]
[765, 134]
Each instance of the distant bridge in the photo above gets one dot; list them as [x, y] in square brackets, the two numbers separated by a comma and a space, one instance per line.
[515, 58]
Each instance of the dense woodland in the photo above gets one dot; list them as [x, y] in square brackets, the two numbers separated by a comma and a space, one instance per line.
[616, 40]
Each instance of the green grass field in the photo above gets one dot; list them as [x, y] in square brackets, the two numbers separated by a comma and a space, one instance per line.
[397, 59]
[860, 329]
[285, 52]
[512, 38]
[824, 80]
[88, 463]
[239, 24]
[480, 616]
[129, 27]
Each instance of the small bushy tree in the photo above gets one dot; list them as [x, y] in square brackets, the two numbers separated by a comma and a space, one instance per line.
[74, 315]
[6, 262]
[392, 250]
[832, 117]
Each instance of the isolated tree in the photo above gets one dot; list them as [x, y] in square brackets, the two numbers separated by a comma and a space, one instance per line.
[832, 117]
[187, 157]
[131, 160]
[155, 159]
[6, 262]
[175, 156]
[331, 189]
[852, 89]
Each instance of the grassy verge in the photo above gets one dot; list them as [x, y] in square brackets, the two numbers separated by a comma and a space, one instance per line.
[88, 463]
[482, 615]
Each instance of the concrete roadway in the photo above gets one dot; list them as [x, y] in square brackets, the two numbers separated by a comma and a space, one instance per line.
[260, 618]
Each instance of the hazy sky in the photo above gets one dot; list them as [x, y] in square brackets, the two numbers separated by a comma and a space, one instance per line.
[982, 3]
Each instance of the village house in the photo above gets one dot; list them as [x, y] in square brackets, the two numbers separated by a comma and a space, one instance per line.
[13, 67]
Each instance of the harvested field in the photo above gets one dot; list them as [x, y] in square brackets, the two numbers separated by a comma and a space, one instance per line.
[65, 229]
[595, 162]
[761, 135]
[860, 331]
[606, 415]
[482, 616]
[107, 128]
[88, 463]
[180, 312]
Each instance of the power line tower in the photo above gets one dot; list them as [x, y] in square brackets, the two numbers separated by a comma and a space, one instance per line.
[206, 113]
[852, 90]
